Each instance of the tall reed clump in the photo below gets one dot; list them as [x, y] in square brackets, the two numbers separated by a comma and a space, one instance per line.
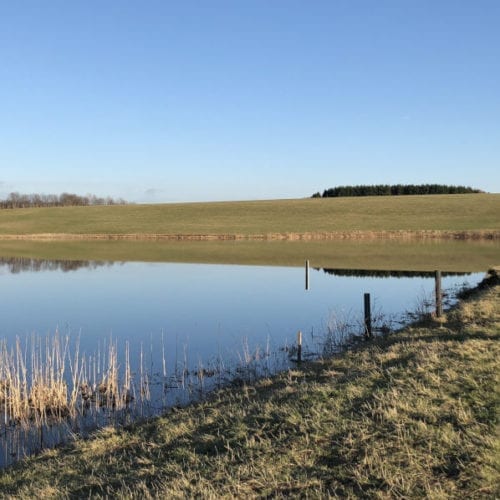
[41, 381]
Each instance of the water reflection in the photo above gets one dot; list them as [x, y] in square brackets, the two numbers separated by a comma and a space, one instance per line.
[172, 332]
[373, 273]
[16, 265]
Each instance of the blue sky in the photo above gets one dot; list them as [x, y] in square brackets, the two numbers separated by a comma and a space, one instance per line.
[220, 100]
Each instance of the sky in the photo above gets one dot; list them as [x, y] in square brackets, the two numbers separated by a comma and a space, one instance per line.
[173, 101]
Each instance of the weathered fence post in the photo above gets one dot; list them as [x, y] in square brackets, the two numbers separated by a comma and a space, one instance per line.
[307, 275]
[439, 294]
[368, 317]
[299, 346]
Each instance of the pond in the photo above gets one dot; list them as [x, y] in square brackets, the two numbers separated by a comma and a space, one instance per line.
[173, 331]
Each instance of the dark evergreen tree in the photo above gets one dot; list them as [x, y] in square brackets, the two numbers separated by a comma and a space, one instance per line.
[394, 190]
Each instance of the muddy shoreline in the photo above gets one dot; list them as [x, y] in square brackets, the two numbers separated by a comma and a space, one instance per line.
[482, 234]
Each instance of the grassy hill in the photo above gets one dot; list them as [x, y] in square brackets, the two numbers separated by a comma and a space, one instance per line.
[412, 415]
[366, 214]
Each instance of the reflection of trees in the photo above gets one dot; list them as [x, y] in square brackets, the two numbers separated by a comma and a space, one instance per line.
[17, 265]
[361, 273]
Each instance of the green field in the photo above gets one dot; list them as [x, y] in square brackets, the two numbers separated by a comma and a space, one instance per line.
[410, 415]
[399, 213]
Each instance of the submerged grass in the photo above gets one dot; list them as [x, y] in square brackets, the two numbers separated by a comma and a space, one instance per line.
[413, 414]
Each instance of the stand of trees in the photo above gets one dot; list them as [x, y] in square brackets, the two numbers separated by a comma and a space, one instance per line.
[16, 200]
[394, 190]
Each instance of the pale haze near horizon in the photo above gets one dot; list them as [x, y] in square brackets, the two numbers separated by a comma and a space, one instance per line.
[161, 101]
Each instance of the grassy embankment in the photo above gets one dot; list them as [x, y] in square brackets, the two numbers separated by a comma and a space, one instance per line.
[410, 415]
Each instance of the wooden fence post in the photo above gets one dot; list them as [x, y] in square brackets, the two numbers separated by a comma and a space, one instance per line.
[439, 294]
[299, 346]
[368, 317]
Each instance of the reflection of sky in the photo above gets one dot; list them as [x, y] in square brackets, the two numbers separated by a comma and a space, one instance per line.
[207, 307]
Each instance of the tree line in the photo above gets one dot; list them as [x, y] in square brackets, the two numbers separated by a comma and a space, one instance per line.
[17, 200]
[393, 190]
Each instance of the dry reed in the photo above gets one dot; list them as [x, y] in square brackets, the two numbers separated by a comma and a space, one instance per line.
[41, 382]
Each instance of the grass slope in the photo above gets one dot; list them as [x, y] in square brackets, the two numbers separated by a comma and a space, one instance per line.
[411, 415]
[398, 213]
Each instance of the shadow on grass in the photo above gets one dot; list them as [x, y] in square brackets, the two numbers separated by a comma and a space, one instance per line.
[446, 336]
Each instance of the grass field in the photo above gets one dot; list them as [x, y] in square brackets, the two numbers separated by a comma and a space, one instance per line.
[367, 214]
[412, 415]
[416, 255]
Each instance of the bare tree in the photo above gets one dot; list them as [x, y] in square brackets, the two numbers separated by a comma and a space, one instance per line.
[36, 200]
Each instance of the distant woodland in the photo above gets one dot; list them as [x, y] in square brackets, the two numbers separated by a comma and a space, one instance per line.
[17, 200]
[393, 190]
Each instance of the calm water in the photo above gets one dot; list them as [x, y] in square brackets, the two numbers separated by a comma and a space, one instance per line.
[186, 316]
[208, 308]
